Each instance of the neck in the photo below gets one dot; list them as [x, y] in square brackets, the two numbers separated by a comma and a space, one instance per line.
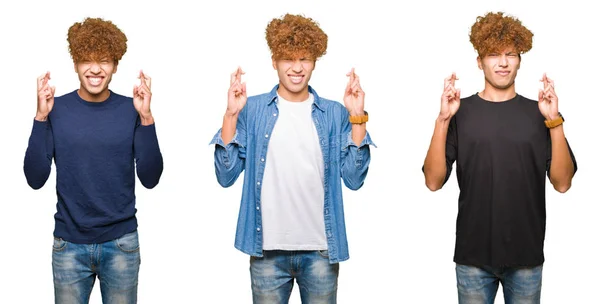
[494, 94]
[293, 96]
[89, 97]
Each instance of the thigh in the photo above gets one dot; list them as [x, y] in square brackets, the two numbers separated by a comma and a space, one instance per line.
[271, 277]
[475, 285]
[317, 278]
[72, 272]
[118, 269]
[522, 285]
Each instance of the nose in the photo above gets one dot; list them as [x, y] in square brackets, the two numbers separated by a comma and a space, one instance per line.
[297, 66]
[95, 67]
[503, 60]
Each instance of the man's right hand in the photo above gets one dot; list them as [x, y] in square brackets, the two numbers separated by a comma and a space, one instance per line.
[45, 97]
[450, 98]
[236, 97]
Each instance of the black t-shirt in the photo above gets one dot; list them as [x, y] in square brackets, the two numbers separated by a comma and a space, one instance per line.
[503, 154]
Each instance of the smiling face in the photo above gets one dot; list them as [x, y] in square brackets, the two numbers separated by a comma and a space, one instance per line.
[94, 77]
[294, 75]
[500, 69]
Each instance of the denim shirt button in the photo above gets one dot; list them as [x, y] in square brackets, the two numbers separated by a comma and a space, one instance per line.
[262, 160]
[258, 183]
[258, 229]
[266, 135]
[257, 208]
[274, 114]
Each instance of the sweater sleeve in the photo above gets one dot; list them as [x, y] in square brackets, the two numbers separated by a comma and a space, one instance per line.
[39, 154]
[148, 158]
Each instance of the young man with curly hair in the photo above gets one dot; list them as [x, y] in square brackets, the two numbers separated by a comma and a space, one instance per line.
[504, 145]
[293, 146]
[97, 139]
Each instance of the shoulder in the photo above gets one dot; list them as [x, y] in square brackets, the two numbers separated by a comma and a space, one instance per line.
[264, 98]
[469, 99]
[527, 100]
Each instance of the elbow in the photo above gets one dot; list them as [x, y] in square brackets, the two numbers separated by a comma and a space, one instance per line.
[149, 181]
[353, 185]
[224, 184]
[36, 182]
[561, 184]
[149, 184]
[226, 180]
[562, 188]
[35, 185]
[433, 186]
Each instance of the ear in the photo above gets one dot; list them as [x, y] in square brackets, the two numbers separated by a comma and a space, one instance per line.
[116, 65]
[479, 63]
[274, 63]
[75, 66]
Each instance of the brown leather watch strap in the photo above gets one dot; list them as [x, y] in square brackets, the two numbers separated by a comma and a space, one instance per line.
[555, 122]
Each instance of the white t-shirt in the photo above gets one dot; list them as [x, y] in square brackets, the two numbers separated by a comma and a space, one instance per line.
[292, 192]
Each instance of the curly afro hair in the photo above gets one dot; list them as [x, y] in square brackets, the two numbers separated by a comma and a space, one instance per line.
[494, 32]
[95, 39]
[295, 36]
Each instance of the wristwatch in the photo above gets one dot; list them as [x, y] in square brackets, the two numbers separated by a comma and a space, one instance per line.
[555, 122]
[359, 119]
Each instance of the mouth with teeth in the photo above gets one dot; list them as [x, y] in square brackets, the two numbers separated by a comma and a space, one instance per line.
[296, 79]
[95, 80]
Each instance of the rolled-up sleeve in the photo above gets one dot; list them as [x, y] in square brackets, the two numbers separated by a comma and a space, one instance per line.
[355, 160]
[230, 159]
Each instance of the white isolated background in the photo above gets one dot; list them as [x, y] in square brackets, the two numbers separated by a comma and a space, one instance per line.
[401, 235]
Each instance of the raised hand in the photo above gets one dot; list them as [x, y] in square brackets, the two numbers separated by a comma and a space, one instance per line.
[547, 100]
[45, 97]
[450, 98]
[236, 96]
[354, 96]
[141, 98]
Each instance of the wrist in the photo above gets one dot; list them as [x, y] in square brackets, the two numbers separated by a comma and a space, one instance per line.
[443, 119]
[146, 119]
[231, 116]
[552, 116]
[357, 112]
[41, 117]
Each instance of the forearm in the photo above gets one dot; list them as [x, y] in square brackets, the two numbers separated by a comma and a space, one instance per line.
[149, 161]
[358, 132]
[228, 128]
[435, 161]
[38, 161]
[562, 168]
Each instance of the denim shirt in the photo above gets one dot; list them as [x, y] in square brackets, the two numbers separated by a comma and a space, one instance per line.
[248, 151]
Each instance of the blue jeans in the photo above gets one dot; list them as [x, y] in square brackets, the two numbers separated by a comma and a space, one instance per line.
[116, 263]
[273, 277]
[479, 285]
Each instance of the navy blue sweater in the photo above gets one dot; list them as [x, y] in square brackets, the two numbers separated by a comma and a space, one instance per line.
[94, 146]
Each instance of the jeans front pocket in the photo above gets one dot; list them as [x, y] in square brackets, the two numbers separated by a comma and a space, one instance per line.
[59, 244]
[324, 253]
[129, 242]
